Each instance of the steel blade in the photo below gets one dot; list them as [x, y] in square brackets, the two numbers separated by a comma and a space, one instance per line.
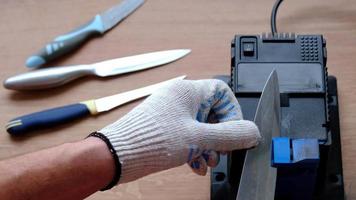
[115, 14]
[258, 179]
[110, 102]
[138, 62]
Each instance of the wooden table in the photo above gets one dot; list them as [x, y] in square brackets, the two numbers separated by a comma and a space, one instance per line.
[205, 26]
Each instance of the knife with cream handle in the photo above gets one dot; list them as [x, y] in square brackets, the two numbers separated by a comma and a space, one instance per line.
[53, 77]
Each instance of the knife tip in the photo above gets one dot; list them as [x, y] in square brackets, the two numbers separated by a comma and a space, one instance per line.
[182, 77]
[178, 78]
[183, 52]
[187, 50]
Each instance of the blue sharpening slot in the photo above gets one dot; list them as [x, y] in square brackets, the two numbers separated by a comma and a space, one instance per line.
[295, 152]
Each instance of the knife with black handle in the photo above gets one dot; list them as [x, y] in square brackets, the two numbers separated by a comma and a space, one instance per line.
[72, 40]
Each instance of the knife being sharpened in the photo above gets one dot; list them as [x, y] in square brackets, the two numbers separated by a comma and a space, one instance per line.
[258, 178]
[60, 115]
[99, 25]
[53, 77]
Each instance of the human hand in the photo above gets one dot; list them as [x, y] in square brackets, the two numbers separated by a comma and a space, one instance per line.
[171, 128]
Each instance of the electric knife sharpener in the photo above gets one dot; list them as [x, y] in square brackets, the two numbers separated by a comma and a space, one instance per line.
[308, 153]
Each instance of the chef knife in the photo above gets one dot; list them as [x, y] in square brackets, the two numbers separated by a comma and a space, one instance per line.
[99, 25]
[60, 115]
[258, 179]
[53, 77]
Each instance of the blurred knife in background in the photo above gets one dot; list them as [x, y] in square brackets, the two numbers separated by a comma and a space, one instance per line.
[98, 26]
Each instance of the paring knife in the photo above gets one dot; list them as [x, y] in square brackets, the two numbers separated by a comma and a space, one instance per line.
[52, 77]
[258, 178]
[72, 40]
[60, 115]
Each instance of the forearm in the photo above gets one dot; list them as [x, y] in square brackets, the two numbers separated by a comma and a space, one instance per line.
[68, 171]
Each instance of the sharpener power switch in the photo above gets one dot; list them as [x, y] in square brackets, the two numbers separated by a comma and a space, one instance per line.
[248, 48]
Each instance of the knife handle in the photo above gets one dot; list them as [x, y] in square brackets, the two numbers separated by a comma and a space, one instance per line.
[66, 43]
[47, 78]
[50, 118]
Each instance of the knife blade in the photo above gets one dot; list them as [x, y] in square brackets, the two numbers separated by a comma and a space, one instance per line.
[53, 77]
[60, 115]
[98, 26]
[258, 178]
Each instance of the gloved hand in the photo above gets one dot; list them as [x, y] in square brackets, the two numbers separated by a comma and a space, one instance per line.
[170, 128]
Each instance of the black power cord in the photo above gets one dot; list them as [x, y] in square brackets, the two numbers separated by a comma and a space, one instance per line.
[274, 16]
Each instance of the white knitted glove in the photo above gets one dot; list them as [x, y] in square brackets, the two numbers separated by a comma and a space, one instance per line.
[170, 128]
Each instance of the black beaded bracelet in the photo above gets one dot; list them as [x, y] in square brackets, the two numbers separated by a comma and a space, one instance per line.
[117, 174]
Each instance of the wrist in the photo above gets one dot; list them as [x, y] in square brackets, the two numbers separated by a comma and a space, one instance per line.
[115, 163]
[104, 164]
[140, 144]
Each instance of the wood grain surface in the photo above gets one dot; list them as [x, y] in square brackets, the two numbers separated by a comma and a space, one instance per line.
[205, 26]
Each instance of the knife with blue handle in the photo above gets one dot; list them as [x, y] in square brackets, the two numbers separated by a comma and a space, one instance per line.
[60, 115]
[72, 40]
[47, 118]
